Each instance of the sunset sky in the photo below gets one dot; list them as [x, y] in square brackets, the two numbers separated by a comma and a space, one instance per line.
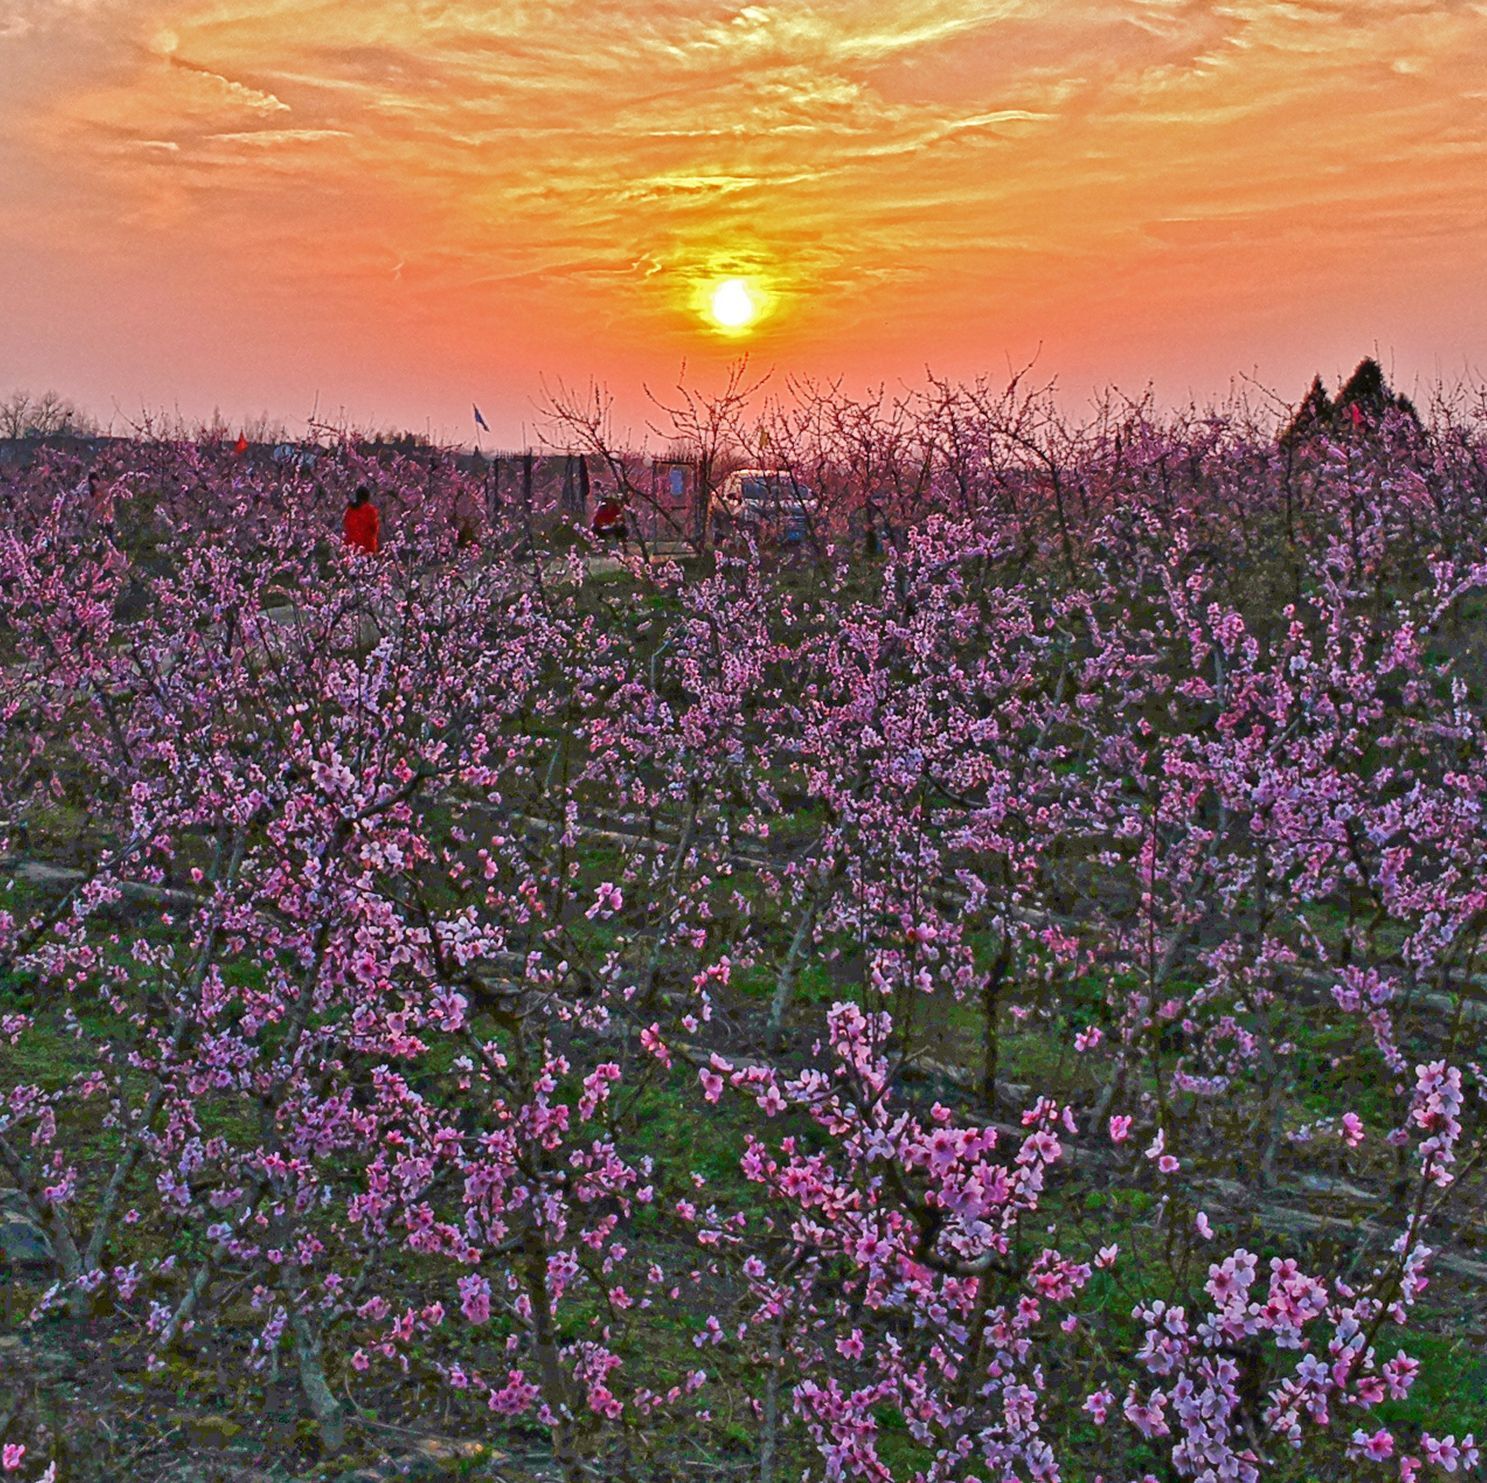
[404, 206]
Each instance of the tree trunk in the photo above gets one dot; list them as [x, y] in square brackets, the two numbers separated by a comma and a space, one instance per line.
[546, 1343]
[784, 986]
[991, 995]
[325, 1408]
[769, 1442]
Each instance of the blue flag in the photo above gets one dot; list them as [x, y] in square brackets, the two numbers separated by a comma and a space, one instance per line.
[479, 420]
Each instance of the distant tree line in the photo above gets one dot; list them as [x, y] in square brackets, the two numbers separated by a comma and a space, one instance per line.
[24, 415]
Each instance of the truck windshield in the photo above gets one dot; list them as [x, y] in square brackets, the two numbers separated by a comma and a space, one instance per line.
[773, 491]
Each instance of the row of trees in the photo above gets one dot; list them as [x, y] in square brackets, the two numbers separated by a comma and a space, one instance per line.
[23, 415]
[48, 414]
[874, 467]
[884, 1019]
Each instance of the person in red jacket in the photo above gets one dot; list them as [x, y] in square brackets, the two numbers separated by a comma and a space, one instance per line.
[609, 519]
[361, 527]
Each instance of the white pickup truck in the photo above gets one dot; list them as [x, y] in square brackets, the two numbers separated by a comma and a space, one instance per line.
[766, 500]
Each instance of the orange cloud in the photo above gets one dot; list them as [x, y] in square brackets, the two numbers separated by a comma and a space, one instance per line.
[419, 197]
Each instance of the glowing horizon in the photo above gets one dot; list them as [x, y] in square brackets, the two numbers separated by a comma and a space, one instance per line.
[401, 207]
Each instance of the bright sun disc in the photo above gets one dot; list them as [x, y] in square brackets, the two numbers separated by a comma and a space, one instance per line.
[733, 306]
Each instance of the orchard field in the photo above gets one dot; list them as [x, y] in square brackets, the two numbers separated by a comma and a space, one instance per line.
[993, 991]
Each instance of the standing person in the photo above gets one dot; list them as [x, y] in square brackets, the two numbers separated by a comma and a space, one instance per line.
[360, 525]
[609, 518]
[95, 495]
[101, 498]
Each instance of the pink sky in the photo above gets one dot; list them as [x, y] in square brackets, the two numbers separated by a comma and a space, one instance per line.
[406, 205]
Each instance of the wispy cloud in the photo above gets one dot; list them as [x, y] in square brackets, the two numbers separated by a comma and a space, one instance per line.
[269, 138]
[939, 168]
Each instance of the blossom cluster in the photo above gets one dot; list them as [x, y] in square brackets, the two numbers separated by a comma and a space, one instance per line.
[896, 990]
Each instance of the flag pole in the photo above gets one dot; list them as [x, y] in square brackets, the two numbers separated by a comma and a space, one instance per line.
[493, 473]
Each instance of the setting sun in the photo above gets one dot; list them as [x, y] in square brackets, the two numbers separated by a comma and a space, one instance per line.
[734, 305]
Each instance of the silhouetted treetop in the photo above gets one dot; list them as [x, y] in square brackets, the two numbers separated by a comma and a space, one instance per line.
[1362, 401]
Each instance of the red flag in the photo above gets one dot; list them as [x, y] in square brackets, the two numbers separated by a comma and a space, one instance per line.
[241, 446]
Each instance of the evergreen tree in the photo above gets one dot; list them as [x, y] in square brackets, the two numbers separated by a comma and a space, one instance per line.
[1364, 399]
[1314, 413]
[1366, 389]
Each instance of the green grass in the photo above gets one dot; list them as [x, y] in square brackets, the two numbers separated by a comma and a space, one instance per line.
[1450, 1395]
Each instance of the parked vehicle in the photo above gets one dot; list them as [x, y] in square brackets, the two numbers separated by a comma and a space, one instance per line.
[767, 502]
[296, 457]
